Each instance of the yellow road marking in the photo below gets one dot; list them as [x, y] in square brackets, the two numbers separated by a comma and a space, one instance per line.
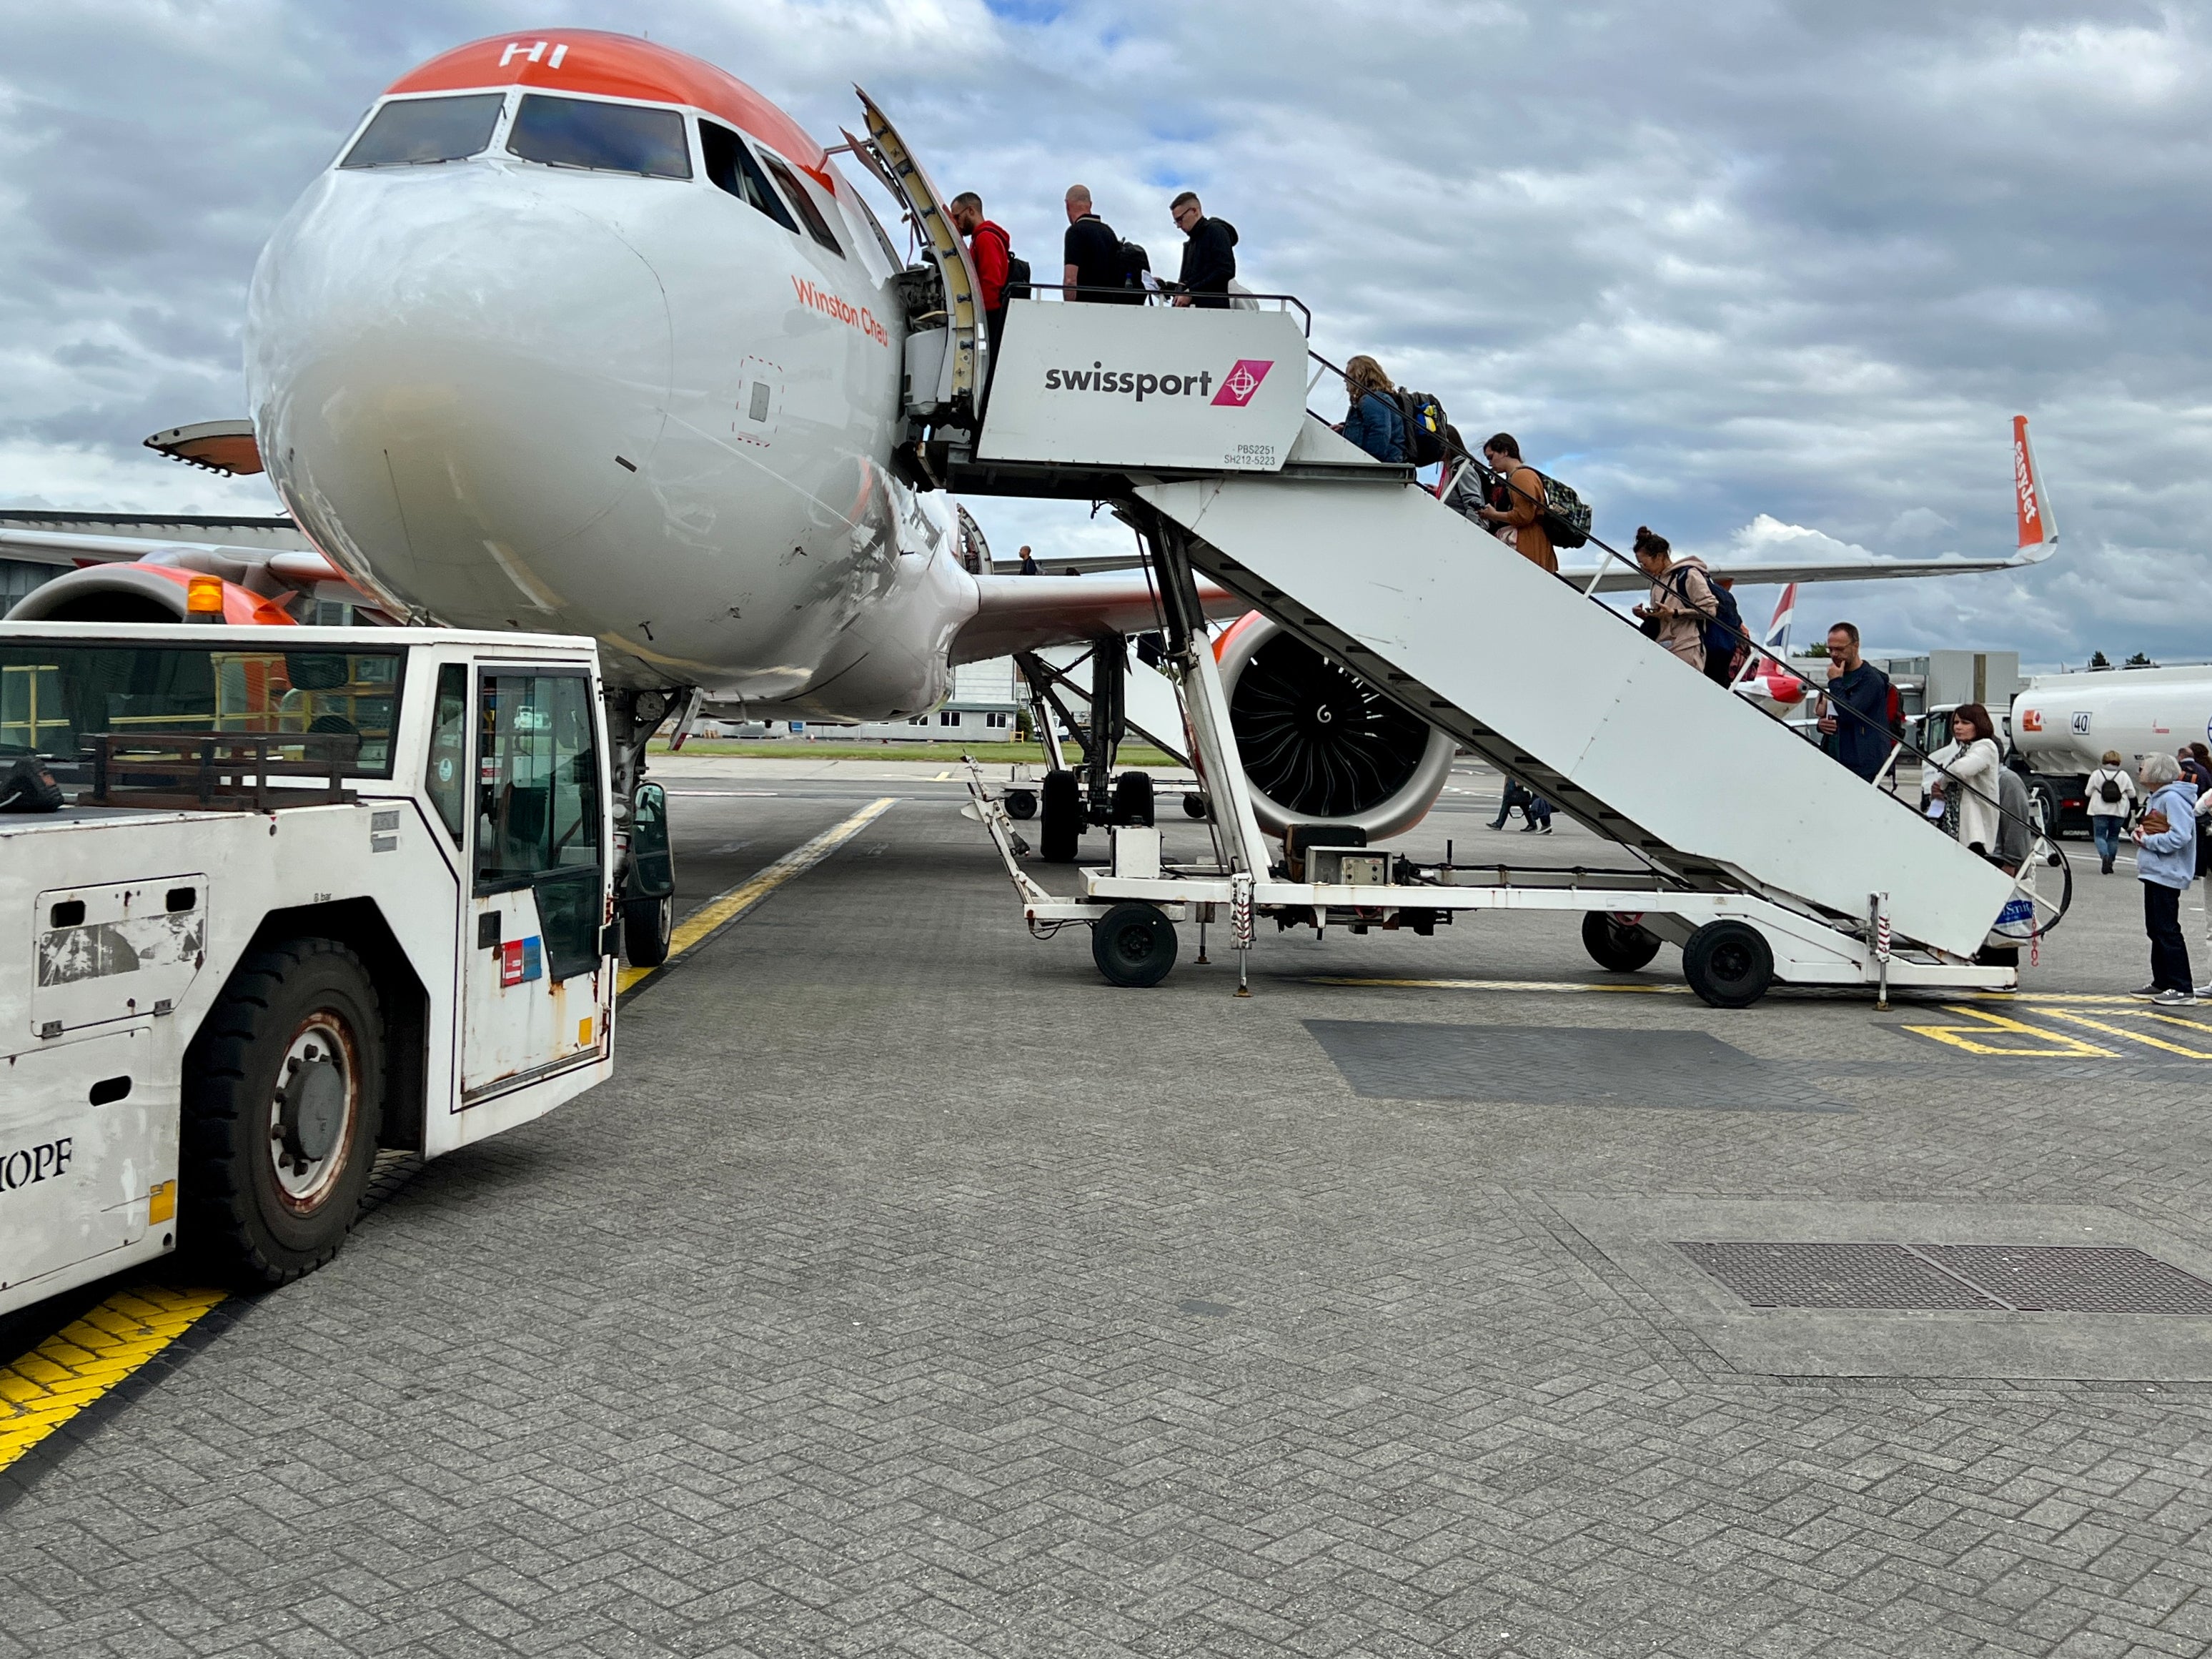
[940, 777]
[81, 1362]
[719, 912]
[2058, 1044]
[2143, 1037]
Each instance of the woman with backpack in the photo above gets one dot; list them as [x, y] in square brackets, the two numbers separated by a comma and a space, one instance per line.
[2111, 803]
[1373, 420]
[1523, 512]
[1682, 600]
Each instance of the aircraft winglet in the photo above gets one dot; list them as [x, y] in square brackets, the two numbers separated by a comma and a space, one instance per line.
[2038, 524]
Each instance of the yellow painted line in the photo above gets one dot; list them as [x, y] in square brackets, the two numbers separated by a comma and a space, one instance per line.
[2057, 998]
[1974, 1038]
[720, 911]
[2143, 1037]
[940, 777]
[81, 1362]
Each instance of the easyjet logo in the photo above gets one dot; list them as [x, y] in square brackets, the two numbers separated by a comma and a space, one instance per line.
[2023, 477]
[839, 310]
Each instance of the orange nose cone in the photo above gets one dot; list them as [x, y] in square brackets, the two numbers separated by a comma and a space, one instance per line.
[203, 599]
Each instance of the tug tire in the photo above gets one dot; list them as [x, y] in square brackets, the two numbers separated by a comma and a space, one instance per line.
[257, 1100]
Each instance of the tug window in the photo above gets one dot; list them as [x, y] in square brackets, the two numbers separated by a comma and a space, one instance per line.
[731, 166]
[418, 130]
[572, 132]
[817, 225]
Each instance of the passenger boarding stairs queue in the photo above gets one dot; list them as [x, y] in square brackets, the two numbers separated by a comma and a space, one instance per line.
[1747, 845]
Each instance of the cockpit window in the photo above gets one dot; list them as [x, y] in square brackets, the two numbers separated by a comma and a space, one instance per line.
[416, 129]
[574, 132]
[817, 225]
[731, 166]
[891, 256]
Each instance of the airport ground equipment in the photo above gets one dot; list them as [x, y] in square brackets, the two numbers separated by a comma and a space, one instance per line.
[2064, 723]
[1757, 853]
[313, 892]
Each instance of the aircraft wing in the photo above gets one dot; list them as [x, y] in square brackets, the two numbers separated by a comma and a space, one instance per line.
[1623, 578]
[1082, 565]
[1025, 613]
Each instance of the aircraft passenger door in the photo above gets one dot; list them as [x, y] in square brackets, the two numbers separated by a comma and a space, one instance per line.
[530, 1001]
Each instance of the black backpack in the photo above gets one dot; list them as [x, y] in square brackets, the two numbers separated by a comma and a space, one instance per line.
[1725, 631]
[1424, 426]
[30, 786]
[1136, 265]
[1018, 270]
[2109, 790]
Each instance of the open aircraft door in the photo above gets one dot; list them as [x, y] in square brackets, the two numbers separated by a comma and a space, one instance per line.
[946, 355]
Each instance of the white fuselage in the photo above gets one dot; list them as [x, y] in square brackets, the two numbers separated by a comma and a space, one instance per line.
[508, 395]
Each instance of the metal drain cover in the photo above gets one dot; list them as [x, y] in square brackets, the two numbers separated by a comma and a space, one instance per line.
[2076, 1279]
[1950, 1277]
[1781, 1275]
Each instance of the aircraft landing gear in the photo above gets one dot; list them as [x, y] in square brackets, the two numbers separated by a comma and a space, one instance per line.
[645, 873]
[1061, 830]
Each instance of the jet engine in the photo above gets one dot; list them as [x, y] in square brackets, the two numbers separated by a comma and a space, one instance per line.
[143, 593]
[1320, 744]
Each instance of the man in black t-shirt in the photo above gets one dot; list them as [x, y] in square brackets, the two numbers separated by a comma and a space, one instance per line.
[1091, 249]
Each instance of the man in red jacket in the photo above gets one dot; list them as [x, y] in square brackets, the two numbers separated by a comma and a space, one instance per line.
[991, 247]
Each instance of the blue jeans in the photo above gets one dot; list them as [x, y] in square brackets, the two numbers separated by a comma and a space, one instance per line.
[2104, 831]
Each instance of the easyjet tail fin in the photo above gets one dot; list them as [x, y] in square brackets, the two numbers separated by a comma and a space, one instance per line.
[2038, 526]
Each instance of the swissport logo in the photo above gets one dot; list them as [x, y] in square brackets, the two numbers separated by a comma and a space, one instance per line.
[1241, 381]
[1236, 388]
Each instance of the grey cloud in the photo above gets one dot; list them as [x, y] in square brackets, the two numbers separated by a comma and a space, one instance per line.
[1796, 259]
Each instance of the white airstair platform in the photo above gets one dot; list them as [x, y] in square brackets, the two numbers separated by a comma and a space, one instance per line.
[1750, 847]
[1565, 695]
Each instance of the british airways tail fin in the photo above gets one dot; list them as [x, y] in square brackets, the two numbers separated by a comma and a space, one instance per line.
[2038, 524]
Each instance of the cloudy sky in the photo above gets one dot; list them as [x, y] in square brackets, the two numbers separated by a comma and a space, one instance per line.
[1751, 274]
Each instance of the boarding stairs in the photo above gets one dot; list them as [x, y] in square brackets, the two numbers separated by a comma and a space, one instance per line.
[1193, 425]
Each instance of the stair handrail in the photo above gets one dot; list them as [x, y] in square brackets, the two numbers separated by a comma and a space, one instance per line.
[1491, 476]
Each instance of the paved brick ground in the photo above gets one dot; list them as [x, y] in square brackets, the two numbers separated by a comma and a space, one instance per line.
[909, 1292]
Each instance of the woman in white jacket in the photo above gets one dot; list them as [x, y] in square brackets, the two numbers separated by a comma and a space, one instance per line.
[1966, 783]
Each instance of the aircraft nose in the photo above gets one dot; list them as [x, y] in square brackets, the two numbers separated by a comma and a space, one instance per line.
[444, 364]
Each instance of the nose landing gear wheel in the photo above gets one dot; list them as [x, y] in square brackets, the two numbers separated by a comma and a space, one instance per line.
[1133, 945]
[1062, 824]
[1132, 798]
[648, 926]
[1618, 947]
[1728, 964]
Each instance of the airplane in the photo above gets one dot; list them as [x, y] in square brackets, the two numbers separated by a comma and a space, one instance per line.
[579, 333]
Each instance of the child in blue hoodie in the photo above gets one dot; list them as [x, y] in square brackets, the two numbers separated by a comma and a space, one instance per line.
[2166, 860]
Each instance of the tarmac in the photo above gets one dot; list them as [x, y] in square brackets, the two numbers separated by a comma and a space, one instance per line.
[910, 1291]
